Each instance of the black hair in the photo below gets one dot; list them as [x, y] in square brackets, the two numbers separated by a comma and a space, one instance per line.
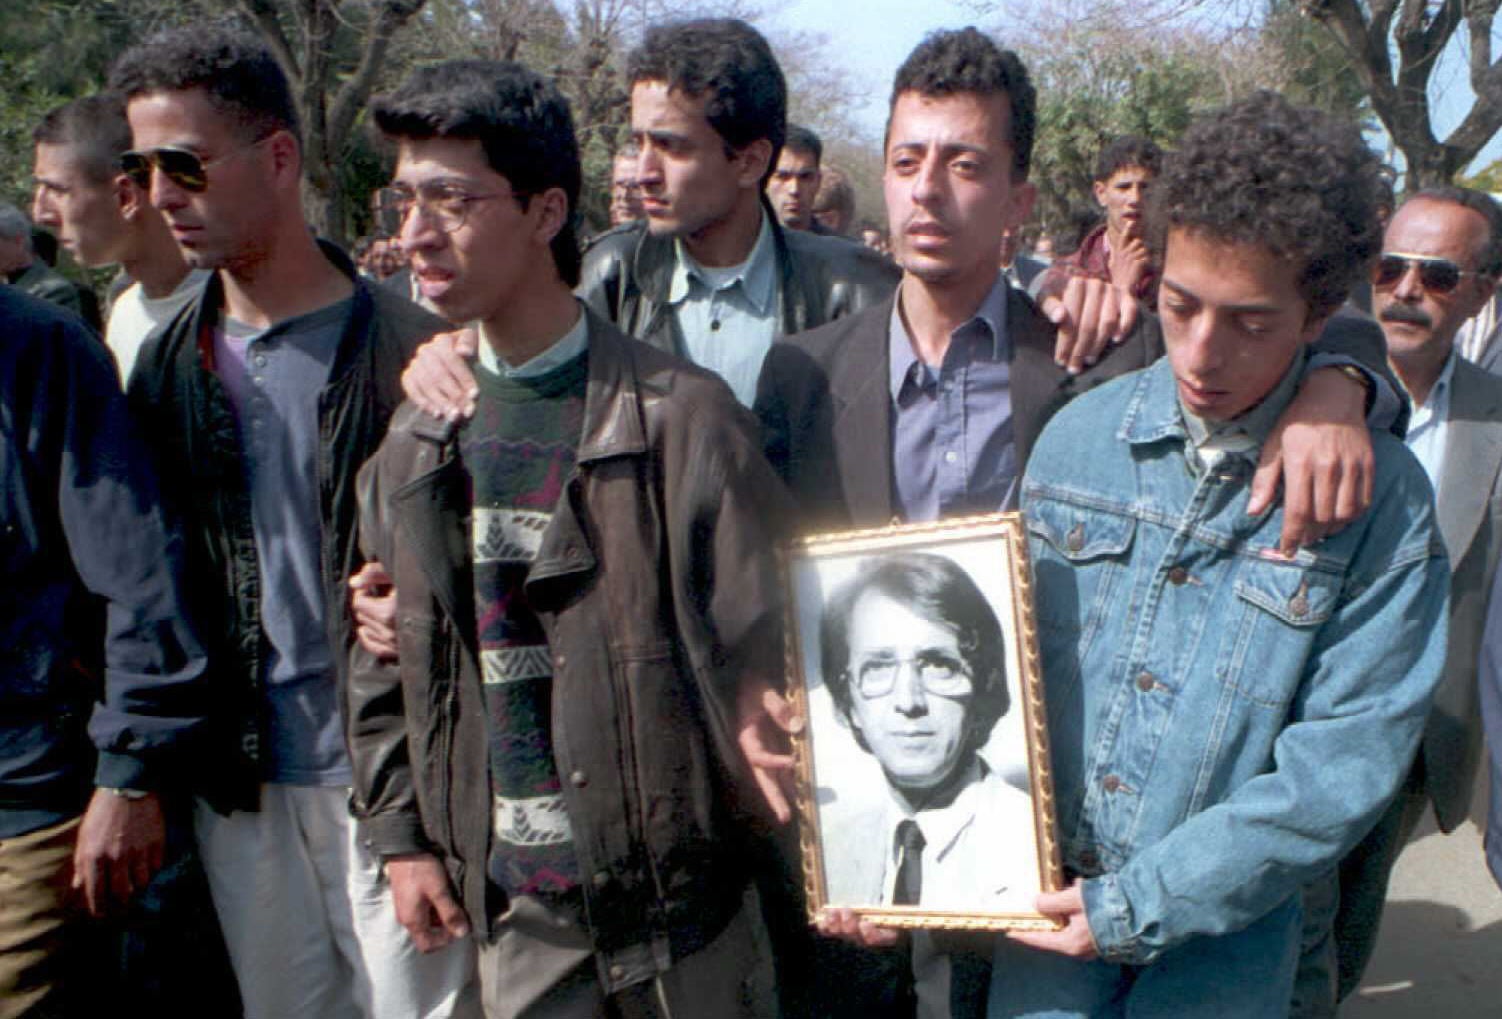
[801, 139]
[233, 66]
[963, 61]
[730, 64]
[1125, 152]
[95, 131]
[520, 119]
[1489, 257]
[937, 588]
[1291, 179]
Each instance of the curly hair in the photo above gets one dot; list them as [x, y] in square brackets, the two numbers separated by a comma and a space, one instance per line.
[519, 118]
[1294, 180]
[235, 69]
[730, 64]
[967, 61]
[1127, 151]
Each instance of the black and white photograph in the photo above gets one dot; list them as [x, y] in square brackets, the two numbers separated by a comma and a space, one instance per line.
[923, 767]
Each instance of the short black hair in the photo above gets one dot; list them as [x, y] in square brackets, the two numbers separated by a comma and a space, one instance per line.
[965, 60]
[518, 116]
[1125, 152]
[937, 588]
[234, 67]
[94, 129]
[801, 139]
[1294, 180]
[1489, 258]
[727, 62]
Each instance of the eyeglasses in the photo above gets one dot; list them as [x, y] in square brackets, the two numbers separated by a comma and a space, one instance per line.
[1438, 275]
[445, 205]
[183, 167]
[939, 673]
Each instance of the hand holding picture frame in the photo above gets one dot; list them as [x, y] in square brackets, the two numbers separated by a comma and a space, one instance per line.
[923, 787]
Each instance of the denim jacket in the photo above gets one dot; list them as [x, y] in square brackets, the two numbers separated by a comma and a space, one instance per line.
[1225, 723]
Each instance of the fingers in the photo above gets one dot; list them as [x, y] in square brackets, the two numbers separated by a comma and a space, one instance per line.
[90, 879]
[1089, 314]
[439, 379]
[847, 925]
[450, 917]
[1269, 474]
[372, 603]
[1298, 509]
[773, 795]
[781, 711]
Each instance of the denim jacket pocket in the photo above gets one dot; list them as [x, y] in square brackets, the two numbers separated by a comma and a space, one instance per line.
[1080, 567]
[1284, 605]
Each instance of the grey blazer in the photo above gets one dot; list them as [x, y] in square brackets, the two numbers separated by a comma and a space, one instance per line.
[1469, 501]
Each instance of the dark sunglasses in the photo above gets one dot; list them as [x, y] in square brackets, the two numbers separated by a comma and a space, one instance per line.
[183, 167]
[1438, 275]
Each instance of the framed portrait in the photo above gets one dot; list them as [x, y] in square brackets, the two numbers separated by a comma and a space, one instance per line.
[924, 795]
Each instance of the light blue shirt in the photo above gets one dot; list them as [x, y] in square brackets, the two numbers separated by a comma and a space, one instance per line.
[728, 316]
[567, 347]
[1429, 428]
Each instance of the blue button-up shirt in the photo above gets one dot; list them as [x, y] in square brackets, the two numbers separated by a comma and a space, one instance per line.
[1429, 427]
[728, 316]
[952, 447]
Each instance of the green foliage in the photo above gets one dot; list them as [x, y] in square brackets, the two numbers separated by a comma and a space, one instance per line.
[1488, 178]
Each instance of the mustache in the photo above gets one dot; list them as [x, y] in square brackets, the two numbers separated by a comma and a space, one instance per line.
[1403, 313]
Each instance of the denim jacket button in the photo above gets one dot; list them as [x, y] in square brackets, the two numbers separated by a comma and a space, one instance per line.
[617, 972]
[1146, 682]
[1110, 783]
[1075, 539]
[1298, 605]
[1177, 576]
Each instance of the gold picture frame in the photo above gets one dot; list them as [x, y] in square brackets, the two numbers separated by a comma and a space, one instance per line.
[903, 735]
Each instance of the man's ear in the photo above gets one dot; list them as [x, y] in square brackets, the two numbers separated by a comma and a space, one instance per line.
[1099, 190]
[1024, 197]
[751, 162]
[552, 214]
[286, 154]
[130, 198]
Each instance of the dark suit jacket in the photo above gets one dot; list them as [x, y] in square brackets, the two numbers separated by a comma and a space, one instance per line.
[826, 411]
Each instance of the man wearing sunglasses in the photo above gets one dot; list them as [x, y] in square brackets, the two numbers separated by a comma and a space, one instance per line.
[1441, 258]
[104, 216]
[261, 400]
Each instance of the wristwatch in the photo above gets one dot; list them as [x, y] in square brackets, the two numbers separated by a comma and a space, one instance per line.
[125, 794]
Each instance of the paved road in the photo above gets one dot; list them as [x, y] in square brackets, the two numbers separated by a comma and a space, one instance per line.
[1440, 951]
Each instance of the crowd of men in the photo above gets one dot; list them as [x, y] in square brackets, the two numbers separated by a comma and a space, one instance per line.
[409, 642]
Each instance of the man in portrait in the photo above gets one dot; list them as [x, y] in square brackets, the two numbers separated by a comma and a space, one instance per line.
[913, 657]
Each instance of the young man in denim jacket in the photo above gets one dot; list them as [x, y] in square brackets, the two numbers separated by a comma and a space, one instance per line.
[1226, 722]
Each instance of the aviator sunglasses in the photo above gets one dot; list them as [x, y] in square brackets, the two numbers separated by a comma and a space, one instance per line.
[1438, 275]
[183, 167]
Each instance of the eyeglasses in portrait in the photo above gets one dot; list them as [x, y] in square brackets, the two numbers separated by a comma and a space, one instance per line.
[923, 785]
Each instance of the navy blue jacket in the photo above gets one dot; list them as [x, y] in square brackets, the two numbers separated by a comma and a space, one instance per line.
[93, 642]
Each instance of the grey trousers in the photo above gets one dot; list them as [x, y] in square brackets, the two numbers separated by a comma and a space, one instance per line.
[542, 965]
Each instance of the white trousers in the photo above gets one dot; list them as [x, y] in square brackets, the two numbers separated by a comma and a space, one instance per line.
[309, 922]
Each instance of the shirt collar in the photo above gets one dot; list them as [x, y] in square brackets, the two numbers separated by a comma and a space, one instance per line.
[943, 825]
[756, 275]
[1440, 391]
[991, 316]
[1154, 412]
[567, 347]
